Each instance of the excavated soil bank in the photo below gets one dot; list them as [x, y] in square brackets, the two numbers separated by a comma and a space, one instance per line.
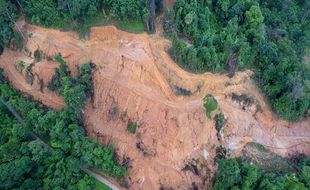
[135, 80]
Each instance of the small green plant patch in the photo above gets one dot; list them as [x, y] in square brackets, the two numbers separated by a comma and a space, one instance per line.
[219, 122]
[132, 127]
[38, 55]
[21, 66]
[30, 35]
[210, 104]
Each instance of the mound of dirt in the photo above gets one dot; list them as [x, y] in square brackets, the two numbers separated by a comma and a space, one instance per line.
[135, 80]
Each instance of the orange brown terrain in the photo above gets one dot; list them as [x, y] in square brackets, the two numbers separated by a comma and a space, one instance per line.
[136, 80]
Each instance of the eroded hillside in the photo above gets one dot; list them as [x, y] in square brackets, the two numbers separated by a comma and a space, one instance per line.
[136, 80]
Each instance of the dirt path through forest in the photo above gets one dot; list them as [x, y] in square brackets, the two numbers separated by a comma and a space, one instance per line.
[136, 80]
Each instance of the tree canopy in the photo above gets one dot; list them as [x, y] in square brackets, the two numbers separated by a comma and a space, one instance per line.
[25, 163]
[270, 37]
[239, 173]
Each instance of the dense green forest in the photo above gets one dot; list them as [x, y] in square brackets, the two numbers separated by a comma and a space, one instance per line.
[240, 173]
[25, 163]
[69, 14]
[270, 37]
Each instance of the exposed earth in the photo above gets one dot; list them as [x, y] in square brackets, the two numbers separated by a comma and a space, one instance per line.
[136, 80]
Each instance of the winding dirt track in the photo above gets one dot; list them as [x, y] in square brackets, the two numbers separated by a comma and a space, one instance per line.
[136, 80]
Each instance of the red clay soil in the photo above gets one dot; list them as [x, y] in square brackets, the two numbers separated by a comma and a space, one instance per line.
[136, 80]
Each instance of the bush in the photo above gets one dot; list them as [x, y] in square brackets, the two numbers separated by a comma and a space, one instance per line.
[219, 121]
[220, 152]
[37, 55]
[210, 104]
[21, 66]
[132, 127]
[1, 75]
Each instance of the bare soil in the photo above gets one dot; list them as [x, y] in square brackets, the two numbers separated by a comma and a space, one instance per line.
[134, 80]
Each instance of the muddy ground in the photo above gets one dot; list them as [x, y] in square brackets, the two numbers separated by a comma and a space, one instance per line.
[135, 80]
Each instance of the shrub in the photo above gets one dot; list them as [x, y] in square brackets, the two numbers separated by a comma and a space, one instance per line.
[132, 127]
[219, 121]
[220, 152]
[30, 35]
[210, 104]
[37, 55]
[21, 66]
[1, 75]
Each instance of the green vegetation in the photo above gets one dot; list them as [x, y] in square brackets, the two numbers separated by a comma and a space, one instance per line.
[132, 127]
[78, 15]
[219, 122]
[279, 67]
[37, 55]
[134, 26]
[74, 90]
[212, 33]
[21, 65]
[258, 168]
[100, 186]
[210, 104]
[258, 146]
[271, 37]
[7, 20]
[55, 13]
[242, 174]
[25, 163]
[131, 26]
